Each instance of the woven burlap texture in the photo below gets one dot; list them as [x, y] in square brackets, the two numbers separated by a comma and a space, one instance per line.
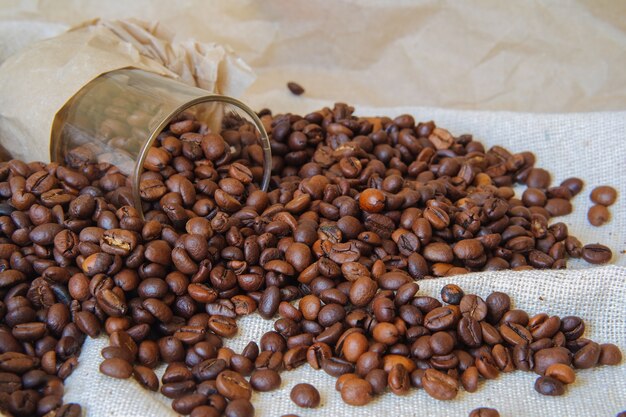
[592, 146]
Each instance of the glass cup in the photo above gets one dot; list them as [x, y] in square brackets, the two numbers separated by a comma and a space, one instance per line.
[117, 117]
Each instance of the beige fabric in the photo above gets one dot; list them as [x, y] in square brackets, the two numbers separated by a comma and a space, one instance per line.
[585, 146]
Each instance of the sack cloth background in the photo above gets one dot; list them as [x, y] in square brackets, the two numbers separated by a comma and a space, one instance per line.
[556, 57]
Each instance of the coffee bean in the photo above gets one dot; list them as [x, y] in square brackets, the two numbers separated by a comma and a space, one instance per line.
[604, 195]
[441, 318]
[546, 357]
[295, 88]
[587, 356]
[362, 291]
[452, 294]
[469, 379]
[474, 307]
[596, 253]
[398, 380]
[146, 377]
[546, 385]
[470, 332]
[372, 200]
[239, 408]
[116, 368]
[356, 392]
[598, 215]
[233, 386]
[17, 363]
[177, 389]
[265, 380]
[439, 385]
[484, 412]
[268, 305]
[563, 373]
[609, 354]
[305, 395]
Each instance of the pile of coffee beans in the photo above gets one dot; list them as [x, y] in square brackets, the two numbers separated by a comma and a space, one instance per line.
[358, 210]
[603, 197]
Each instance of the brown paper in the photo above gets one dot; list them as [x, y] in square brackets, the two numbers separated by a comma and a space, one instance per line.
[522, 56]
[39, 80]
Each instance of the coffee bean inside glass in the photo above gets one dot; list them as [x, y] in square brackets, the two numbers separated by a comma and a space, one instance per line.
[120, 118]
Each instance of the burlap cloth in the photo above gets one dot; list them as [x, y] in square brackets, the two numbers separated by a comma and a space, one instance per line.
[588, 145]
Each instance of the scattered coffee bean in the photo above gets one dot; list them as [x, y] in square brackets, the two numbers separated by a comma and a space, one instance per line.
[484, 412]
[549, 386]
[598, 215]
[305, 395]
[604, 195]
[295, 88]
[596, 253]
[357, 392]
[265, 380]
[116, 368]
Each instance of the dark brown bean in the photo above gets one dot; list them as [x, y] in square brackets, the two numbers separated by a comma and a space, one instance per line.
[604, 195]
[116, 368]
[295, 88]
[546, 385]
[233, 386]
[305, 395]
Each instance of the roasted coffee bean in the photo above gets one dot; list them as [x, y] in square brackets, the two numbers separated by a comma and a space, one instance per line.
[498, 304]
[233, 386]
[604, 195]
[452, 294]
[439, 385]
[239, 408]
[596, 253]
[474, 307]
[563, 373]
[177, 389]
[116, 368]
[609, 354]
[357, 391]
[441, 318]
[264, 380]
[546, 357]
[269, 302]
[398, 380]
[146, 377]
[484, 412]
[295, 88]
[546, 385]
[587, 356]
[305, 395]
[598, 215]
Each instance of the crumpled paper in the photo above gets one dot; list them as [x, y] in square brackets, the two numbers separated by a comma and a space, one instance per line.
[477, 54]
[36, 82]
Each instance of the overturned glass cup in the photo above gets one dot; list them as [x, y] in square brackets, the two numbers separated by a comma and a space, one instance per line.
[119, 116]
